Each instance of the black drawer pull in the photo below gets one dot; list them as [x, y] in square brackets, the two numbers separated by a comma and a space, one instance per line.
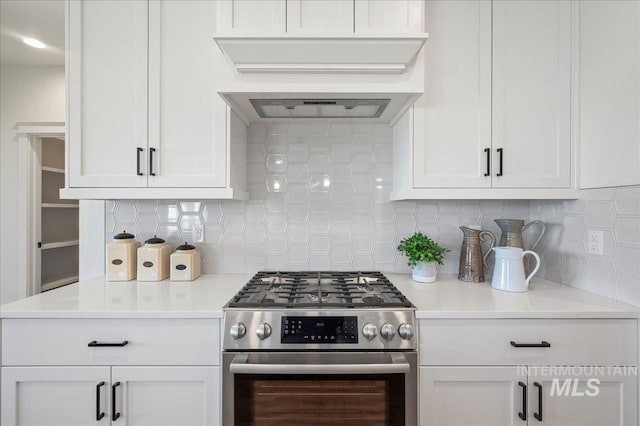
[542, 344]
[138, 151]
[114, 412]
[99, 412]
[523, 414]
[96, 344]
[500, 161]
[538, 415]
[488, 152]
[151, 151]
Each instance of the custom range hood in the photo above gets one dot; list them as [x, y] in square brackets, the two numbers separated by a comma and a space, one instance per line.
[292, 77]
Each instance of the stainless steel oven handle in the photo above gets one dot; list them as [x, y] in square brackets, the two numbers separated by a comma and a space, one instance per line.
[398, 365]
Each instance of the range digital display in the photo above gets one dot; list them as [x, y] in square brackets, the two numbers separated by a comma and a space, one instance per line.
[319, 330]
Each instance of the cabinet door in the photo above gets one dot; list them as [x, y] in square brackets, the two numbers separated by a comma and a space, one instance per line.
[251, 16]
[107, 93]
[320, 16]
[167, 396]
[452, 119]
[54, 396]
[531, 94]
[183, 148]
[583, 399]
[389, 16]
[473, 396]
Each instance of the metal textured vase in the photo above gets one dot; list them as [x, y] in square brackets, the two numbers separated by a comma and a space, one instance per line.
[512, 230]
[472, 261]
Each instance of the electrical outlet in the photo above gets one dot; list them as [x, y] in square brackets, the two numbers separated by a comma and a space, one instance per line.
[197, 234]
[594, 243]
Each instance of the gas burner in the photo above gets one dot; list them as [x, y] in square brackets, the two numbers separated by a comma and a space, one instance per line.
[373, 300]
[319, 297]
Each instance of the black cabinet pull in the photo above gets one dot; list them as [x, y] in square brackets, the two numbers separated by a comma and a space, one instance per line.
[523, 414]
[542, 344]
[538, 415]
[114, 412]
[500, 162]
[151, 151]
[488, 152]
[138, 151]
[96, 344]
[99, 413]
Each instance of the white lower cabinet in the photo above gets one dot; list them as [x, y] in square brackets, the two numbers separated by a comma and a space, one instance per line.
[474, 396]
[496, 372]
[110, 366]
[54, 396]
[157, 396]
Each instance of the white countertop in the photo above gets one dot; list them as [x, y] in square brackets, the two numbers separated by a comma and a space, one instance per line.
[205, 297]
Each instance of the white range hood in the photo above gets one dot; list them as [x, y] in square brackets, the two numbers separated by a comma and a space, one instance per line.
[291, 53]
[369, 107]
[291, 77]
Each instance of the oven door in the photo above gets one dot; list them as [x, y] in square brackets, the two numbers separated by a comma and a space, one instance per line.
[320, 388]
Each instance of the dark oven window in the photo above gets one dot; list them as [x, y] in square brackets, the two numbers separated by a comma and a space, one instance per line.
[287, 400]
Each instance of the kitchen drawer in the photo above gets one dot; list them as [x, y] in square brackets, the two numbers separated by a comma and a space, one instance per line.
[151, 341]
[488, 342]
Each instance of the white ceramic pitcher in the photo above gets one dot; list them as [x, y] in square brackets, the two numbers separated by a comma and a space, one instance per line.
[508, 272]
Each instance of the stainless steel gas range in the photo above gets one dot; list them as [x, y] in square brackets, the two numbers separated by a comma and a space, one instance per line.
[326, 348]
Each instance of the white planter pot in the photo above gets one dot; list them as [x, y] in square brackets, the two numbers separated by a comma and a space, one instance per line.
[425, 272]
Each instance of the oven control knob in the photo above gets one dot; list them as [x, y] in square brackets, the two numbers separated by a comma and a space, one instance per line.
[405, 331]
[369, 331]
[263, 331]
[238, 331]
[388, 331]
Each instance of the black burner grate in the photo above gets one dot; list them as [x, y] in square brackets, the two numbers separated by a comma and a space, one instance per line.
[319, 289]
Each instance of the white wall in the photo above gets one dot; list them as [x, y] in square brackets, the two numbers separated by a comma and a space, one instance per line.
[27, 93]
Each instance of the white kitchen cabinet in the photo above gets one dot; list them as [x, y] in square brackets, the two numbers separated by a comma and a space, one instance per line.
[54, 396]
[144, 118]
[320, 16]
[531, 91]
[251, 16]
[183, 148]
[457, 90]
[469, 396]
[579, 399]
[107, 93]
[477, 371]
[496, 114]
[186, 396]
[389, 16]
[157, 371]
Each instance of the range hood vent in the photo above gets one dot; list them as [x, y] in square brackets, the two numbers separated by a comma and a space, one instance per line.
[319, 108]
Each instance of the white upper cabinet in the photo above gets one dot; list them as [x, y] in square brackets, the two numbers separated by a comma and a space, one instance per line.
[531, 94]
[319, 16]
[107, 85]
[452, 119]
[496, 114]
[183, 148]
[609, 93]
[252, 16]
[144, 116]
[389, 16]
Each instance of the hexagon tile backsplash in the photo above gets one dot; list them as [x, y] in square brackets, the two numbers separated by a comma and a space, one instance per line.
[318, 201]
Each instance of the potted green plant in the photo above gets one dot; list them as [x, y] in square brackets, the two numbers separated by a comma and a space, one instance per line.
[422, 254]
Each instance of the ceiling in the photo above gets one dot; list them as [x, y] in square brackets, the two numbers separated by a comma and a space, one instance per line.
[39, 19]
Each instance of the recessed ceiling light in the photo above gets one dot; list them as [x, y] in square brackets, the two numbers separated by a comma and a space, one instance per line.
[34, 43]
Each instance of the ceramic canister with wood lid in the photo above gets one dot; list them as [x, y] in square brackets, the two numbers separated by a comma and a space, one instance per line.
[153, 260]
[122, 256]
[185, 263]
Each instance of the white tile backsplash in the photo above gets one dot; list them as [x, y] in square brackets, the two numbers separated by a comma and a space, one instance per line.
[615, 212]
[319, 201]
